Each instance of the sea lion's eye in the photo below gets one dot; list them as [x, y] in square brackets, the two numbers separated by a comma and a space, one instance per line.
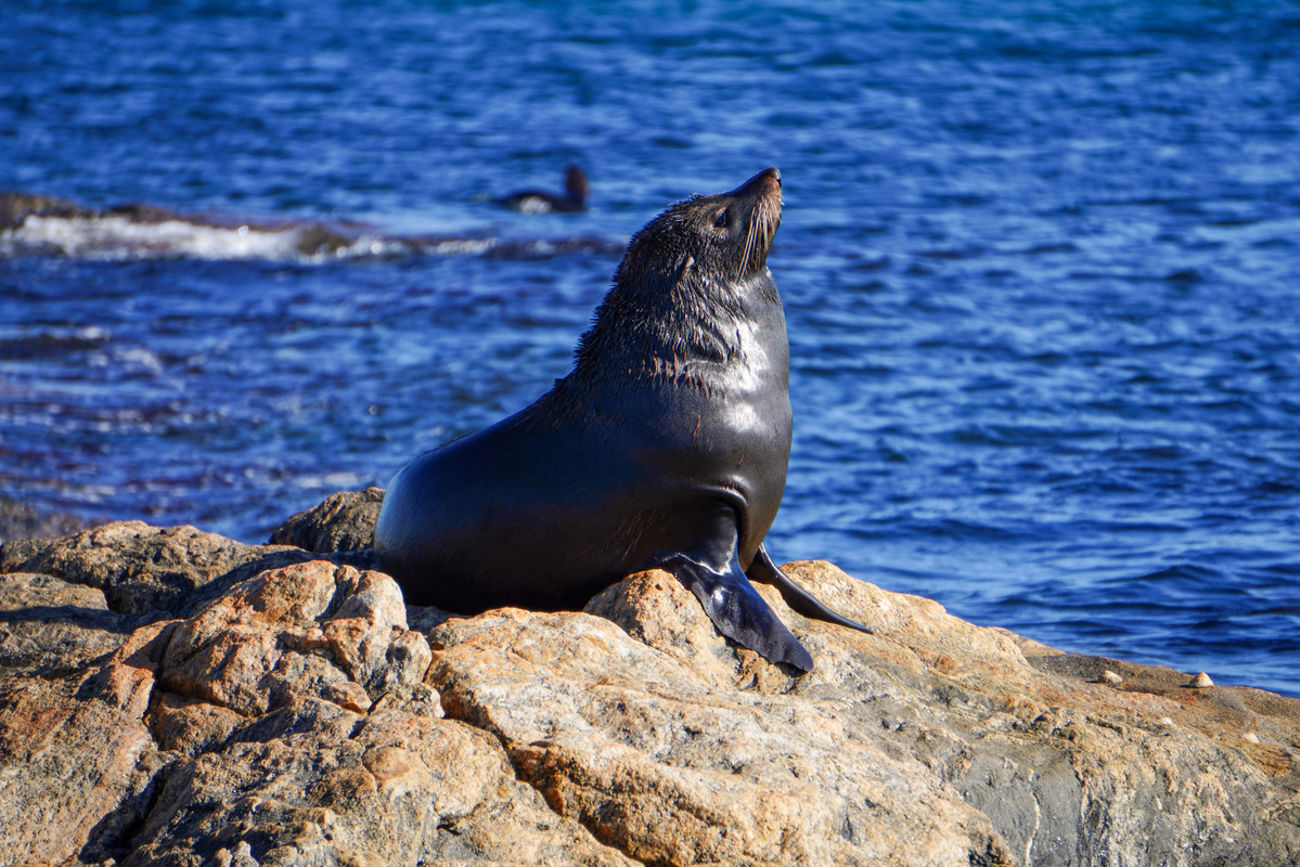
[721, 219]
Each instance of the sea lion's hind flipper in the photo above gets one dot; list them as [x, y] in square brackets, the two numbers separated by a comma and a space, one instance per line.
[737, 610]
[799, 599]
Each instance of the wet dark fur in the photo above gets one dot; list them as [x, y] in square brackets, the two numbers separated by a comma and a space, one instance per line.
[680, 290]
[572, 200]
[666, 445]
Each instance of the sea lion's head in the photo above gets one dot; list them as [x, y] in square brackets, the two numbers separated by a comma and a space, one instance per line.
[692, 281]
[575, 185]
[723, 238]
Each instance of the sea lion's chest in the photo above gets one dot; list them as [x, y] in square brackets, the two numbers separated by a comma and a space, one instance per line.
[708, 424]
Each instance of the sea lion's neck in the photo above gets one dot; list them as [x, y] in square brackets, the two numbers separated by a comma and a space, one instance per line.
[695, 332]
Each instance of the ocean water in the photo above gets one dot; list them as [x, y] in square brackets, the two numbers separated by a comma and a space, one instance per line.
[1040, 260]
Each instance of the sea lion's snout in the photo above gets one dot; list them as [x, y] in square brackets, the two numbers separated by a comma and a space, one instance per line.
[760, 184]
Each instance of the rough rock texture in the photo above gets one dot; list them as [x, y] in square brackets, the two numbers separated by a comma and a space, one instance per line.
[143, 569]
[344, 522]
[293, 711]
[48, 626]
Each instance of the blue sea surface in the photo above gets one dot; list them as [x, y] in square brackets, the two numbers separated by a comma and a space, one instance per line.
[1040, 261]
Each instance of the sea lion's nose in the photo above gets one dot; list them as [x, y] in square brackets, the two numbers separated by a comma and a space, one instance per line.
[758, 183]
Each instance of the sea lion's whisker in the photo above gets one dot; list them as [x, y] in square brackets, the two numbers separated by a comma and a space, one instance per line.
[749, 242]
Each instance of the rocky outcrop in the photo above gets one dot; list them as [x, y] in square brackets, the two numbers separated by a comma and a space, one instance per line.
[244, 705]
[146, 570]
[344, 522]
[15, 207]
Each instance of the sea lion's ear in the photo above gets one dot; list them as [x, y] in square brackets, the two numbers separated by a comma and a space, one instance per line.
[686, 267]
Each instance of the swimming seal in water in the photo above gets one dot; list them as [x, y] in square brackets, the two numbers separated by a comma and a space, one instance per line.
[542, 202]
[665, 446]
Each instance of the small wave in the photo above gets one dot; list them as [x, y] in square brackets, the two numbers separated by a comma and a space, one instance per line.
[1180, 578]
[953, 529]
[52, 343]
[1051, 247]
[112, 237]
[33, 225]
[954, 253]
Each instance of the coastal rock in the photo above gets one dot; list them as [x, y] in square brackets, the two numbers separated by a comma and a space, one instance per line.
[343, 522]
[15, 207]
[73, 769]
[287, 720]
[48, 626]
[141, 568]
[674, 766]
[301, 714]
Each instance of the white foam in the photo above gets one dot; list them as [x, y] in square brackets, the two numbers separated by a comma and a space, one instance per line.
[336, 480]
[463, 246]
[116, 237]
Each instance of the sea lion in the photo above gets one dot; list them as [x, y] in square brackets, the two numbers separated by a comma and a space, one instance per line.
[665, 446]
[542, 202]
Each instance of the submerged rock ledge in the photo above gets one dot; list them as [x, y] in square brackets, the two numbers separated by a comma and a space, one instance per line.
[174, 697]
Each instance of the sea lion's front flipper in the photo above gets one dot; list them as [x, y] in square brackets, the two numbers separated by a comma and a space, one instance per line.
[711, 570]
[737, 610]
[799, 599]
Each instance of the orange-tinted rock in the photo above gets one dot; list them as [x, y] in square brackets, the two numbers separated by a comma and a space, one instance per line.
[287, 712]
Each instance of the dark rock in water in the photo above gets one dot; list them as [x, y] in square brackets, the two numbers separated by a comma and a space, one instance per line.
[126, 230]
[142, 212]
[315, 239]
[343, 522]
[298, 238]
[306, 715]
[17, 207]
